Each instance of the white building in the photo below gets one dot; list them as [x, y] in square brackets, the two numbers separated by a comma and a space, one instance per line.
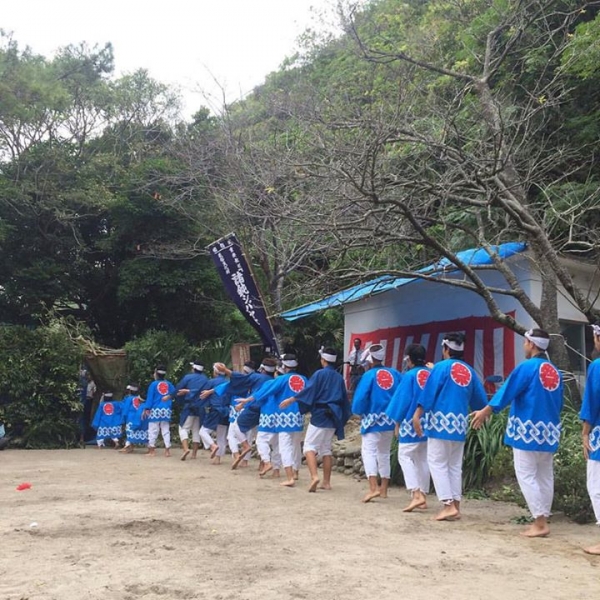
[399, 311]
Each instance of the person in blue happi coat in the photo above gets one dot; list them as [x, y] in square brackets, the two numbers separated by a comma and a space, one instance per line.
[451, 392]
[534, 392]
[412, 448]
[187, 391]
[326, 398]
[590, 415]
[136, 428]
[108, 420]
[371, 398]
[158, 410]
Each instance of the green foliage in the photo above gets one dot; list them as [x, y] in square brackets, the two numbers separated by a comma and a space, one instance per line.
[155, 348]
[481, 449]
[39, 403]
[570, 490]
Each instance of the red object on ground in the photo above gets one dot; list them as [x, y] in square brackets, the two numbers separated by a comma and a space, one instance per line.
[23, 486]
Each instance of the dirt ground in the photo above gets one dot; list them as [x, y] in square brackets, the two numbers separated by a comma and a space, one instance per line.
[97, 524]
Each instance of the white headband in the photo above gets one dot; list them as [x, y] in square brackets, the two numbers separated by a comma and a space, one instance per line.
[247, 369]
[161, 372]
[197, 367]
[371, 355]
[330, 358]
[132, 388]
[267, 368]
[453, 345]
[596, 329]
[290, 363]
[540, 342]
[108, 394]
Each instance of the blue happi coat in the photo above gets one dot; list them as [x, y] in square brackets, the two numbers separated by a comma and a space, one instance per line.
[272, 418]
[451, 392]
[326, 399]
[159, 409]
[243, 386]
[194, 382]
[108, 420]
[403, 404]
[590, 408]
[372, 396]
[534, 391]
[136, 427]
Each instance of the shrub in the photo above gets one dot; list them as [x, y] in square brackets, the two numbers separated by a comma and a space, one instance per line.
[39, 402]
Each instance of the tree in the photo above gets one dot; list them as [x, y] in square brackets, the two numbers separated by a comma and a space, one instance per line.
[457, 135]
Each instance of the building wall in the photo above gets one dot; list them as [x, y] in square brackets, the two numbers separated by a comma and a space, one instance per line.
[424, 310]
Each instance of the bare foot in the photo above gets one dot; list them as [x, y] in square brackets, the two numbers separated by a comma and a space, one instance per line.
[193, 456]
[185, 455]
[216, 460]
[213, 450]
[313, 485]
[448, 513]
[325, 486]
[593, 550]
[266, 468]
[296, 475]
[534, 531]
[275, 474]
[150, 453]
[288, 483]
[415, 503]
[126, 450]
[371, 496]
[167, 452]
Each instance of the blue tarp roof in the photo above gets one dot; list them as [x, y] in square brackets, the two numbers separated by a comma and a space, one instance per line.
[473, 257]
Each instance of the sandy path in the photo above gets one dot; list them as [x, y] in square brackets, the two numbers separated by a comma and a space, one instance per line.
[114, 526]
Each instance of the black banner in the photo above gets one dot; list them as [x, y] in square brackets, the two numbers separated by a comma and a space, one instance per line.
[241, 287]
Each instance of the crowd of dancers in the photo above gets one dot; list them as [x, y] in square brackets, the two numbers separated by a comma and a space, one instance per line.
[428, 408]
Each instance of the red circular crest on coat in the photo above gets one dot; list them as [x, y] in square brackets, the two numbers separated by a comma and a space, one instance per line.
[385, 380]
[296, 383]
[163, 388]
[108, 408]
[422, 377]
[136, 402]
[460, 374]
[549, 377]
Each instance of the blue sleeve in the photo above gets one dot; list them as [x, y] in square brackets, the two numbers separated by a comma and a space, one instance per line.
[432, 388]
[308, 395]
[514, 385]
[239, 384]
[222, 388]
[396, 407]
[360, 401]
[479, 396]
[590, 406]
[270, 388]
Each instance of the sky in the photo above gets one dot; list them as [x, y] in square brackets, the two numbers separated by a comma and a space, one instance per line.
[205, 48]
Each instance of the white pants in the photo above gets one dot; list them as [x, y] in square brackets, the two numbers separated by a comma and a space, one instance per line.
[413, 460]
[375, 452]
[593, 486]
[191, 424]
[267, 445]
[290, 448]
[445, 464]
[319, 440]
[153, 428]
[101, 442]
[535, 474]
[221, 435]
[235, 437]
